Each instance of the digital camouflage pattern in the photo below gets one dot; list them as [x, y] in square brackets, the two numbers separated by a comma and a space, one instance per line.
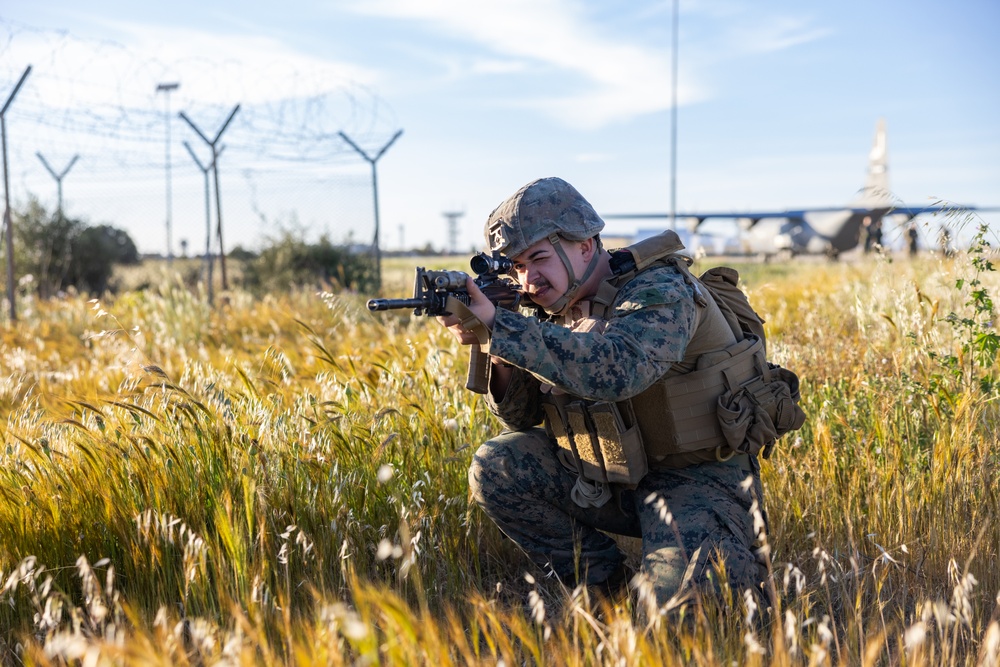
[520, 483]
[649, 330]
[540, 208]
[686, 517]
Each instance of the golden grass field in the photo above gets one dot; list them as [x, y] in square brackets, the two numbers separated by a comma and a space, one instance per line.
[282, 480]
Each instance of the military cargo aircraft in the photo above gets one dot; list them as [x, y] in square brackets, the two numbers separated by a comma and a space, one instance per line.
[828, 231]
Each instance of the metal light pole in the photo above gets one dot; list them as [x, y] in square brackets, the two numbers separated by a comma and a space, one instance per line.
[8, 223]
[372, 161]
[673, 128]
[166, 89]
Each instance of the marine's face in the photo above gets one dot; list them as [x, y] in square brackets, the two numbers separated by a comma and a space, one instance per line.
[542, 273]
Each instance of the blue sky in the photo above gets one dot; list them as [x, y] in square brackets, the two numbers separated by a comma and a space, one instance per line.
[778, 104]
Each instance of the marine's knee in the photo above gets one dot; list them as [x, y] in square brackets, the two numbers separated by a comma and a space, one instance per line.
[504, 466]
[663, 572]
[713, 567]
[490, 465]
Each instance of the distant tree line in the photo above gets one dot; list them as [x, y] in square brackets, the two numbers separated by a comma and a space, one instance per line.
[289, 261]
[60, 252]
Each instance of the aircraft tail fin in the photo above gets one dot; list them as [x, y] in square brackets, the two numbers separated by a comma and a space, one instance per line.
[876, 189]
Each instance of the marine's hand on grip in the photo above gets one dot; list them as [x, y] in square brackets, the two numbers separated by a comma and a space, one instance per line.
[480, 306]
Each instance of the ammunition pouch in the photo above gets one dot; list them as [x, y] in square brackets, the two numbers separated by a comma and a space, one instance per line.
[753, 415]
[734, 402]
[600, 438]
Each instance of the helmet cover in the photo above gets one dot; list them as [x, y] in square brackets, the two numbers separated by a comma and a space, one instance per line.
[539, 209]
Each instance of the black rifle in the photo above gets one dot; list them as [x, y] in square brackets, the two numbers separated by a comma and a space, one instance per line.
[437, 293]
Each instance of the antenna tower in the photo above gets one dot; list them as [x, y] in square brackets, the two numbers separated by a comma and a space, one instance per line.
[452, 217]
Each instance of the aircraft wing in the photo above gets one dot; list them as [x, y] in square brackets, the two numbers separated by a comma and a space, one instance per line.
[828, 229]
[798, 214]
[701, 216]
[913, 211]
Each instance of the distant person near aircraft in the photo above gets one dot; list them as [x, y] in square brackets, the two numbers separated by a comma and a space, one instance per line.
[911, 239]
[826, 231]
[873, 234]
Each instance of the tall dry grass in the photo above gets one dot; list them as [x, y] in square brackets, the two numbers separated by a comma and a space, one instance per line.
[283, 481]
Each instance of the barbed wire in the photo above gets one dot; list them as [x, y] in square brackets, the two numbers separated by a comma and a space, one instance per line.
[101, 97]
[282, 156]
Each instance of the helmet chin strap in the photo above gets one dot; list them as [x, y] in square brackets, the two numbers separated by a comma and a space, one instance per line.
[566, 299]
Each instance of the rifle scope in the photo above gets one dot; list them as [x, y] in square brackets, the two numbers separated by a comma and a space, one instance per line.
[495, 263]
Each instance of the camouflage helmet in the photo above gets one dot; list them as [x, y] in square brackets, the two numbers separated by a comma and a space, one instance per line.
[541, 208]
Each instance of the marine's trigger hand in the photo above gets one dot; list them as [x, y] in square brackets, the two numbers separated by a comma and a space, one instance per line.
[480, 307]
[480, 304]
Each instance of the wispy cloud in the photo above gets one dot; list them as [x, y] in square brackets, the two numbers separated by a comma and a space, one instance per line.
[254, 68]
[593, 157]
[781, 33]
[214, 68]
[608, 76]
[726, 31]
[614, 78]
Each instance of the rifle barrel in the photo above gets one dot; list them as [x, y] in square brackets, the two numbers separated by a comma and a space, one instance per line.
[392, 304]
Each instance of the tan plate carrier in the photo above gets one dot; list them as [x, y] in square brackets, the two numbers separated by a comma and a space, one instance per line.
[732, 401]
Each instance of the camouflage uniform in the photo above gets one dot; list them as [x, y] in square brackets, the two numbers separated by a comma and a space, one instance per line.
[688, 518]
